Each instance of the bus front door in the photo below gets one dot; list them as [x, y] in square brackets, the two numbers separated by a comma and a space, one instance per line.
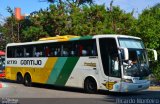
[110, 62]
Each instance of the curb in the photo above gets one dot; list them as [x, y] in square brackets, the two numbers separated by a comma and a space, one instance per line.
[154, 88]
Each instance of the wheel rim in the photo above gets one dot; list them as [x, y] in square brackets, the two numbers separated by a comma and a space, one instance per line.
[19, 79]
[27, 80]
[90, 86]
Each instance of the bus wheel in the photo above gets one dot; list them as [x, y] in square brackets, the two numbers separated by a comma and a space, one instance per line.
[27, 80]
[19, 78]
[90, 85]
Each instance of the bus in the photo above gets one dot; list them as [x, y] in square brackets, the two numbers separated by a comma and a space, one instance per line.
[2, 64]
[100, 62]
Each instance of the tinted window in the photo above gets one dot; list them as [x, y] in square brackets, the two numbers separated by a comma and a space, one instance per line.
[109, 56]
[59, 49]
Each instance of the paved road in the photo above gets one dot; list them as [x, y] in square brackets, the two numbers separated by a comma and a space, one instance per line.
[42, 94]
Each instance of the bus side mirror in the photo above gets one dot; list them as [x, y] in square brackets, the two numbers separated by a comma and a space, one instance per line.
[152, 54]
[155, 55]
[124, 53]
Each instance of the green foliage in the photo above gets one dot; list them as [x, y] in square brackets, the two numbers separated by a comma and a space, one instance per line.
[52, 21]
[71, 2]
[148, 29]
[70, 19]
[34, 33]
[156, 70]
[148, 25]
[88, 20]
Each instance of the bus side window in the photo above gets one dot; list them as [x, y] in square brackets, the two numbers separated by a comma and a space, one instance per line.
[84, 52]
[94, 49]
[93, 52]
[80, 49]
[17, 55]
[57, 52]
[65, 52]
[72, 49]
[19, 51]
[38, 51]
[52, 52]
[28, 50]
[87, 47]
[11, 52]
[72, 53]
[47, 51]
[37, 54]
[89, 50]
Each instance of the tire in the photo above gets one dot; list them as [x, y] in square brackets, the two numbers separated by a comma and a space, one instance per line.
[90, 85]
[19, 78]
[27, 80]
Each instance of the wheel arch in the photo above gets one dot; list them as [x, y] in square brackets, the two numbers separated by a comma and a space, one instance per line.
[28, 74]
[19, 73]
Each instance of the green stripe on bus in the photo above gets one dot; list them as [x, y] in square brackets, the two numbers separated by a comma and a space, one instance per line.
[75, 38]
[56, 70]
[66, 71]
[86, 37]
[82, 38]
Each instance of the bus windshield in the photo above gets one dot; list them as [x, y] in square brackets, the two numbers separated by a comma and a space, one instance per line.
[137, 65]
[131, 43]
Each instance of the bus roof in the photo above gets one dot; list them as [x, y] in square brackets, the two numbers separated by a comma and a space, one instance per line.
[62, 38]
[72, 37]
[115, 36]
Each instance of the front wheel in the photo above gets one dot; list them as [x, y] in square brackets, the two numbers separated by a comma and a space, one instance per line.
[27, 80]
[90, 85]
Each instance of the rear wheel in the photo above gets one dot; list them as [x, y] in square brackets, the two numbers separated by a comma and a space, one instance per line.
[27, 80]
[90, 85]
[19, 78]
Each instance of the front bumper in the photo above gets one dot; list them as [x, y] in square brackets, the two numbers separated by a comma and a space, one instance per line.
[131, 87]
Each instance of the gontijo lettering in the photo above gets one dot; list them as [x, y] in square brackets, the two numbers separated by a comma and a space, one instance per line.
[31, 62]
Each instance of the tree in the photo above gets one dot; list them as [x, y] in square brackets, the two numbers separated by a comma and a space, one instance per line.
[122, 23]
[34, 33]
[148, 29]
[71, 2]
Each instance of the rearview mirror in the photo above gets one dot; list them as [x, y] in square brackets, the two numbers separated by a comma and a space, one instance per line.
[124, 53]
[152, 55]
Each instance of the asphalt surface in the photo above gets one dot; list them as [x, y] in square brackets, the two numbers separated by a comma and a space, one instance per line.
[13, 93]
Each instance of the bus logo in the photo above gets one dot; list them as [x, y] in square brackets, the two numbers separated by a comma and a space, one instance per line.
[90, 64]
[109, 85]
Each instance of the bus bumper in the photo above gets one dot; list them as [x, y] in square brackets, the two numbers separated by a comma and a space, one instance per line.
[131, 87]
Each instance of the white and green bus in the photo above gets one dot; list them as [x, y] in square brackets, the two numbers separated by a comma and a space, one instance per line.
[117, 63]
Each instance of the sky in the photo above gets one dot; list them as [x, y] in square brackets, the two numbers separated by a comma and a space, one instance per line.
[29, 6]
[129, 5]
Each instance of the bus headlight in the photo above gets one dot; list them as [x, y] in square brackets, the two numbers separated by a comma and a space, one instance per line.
[127, 80]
